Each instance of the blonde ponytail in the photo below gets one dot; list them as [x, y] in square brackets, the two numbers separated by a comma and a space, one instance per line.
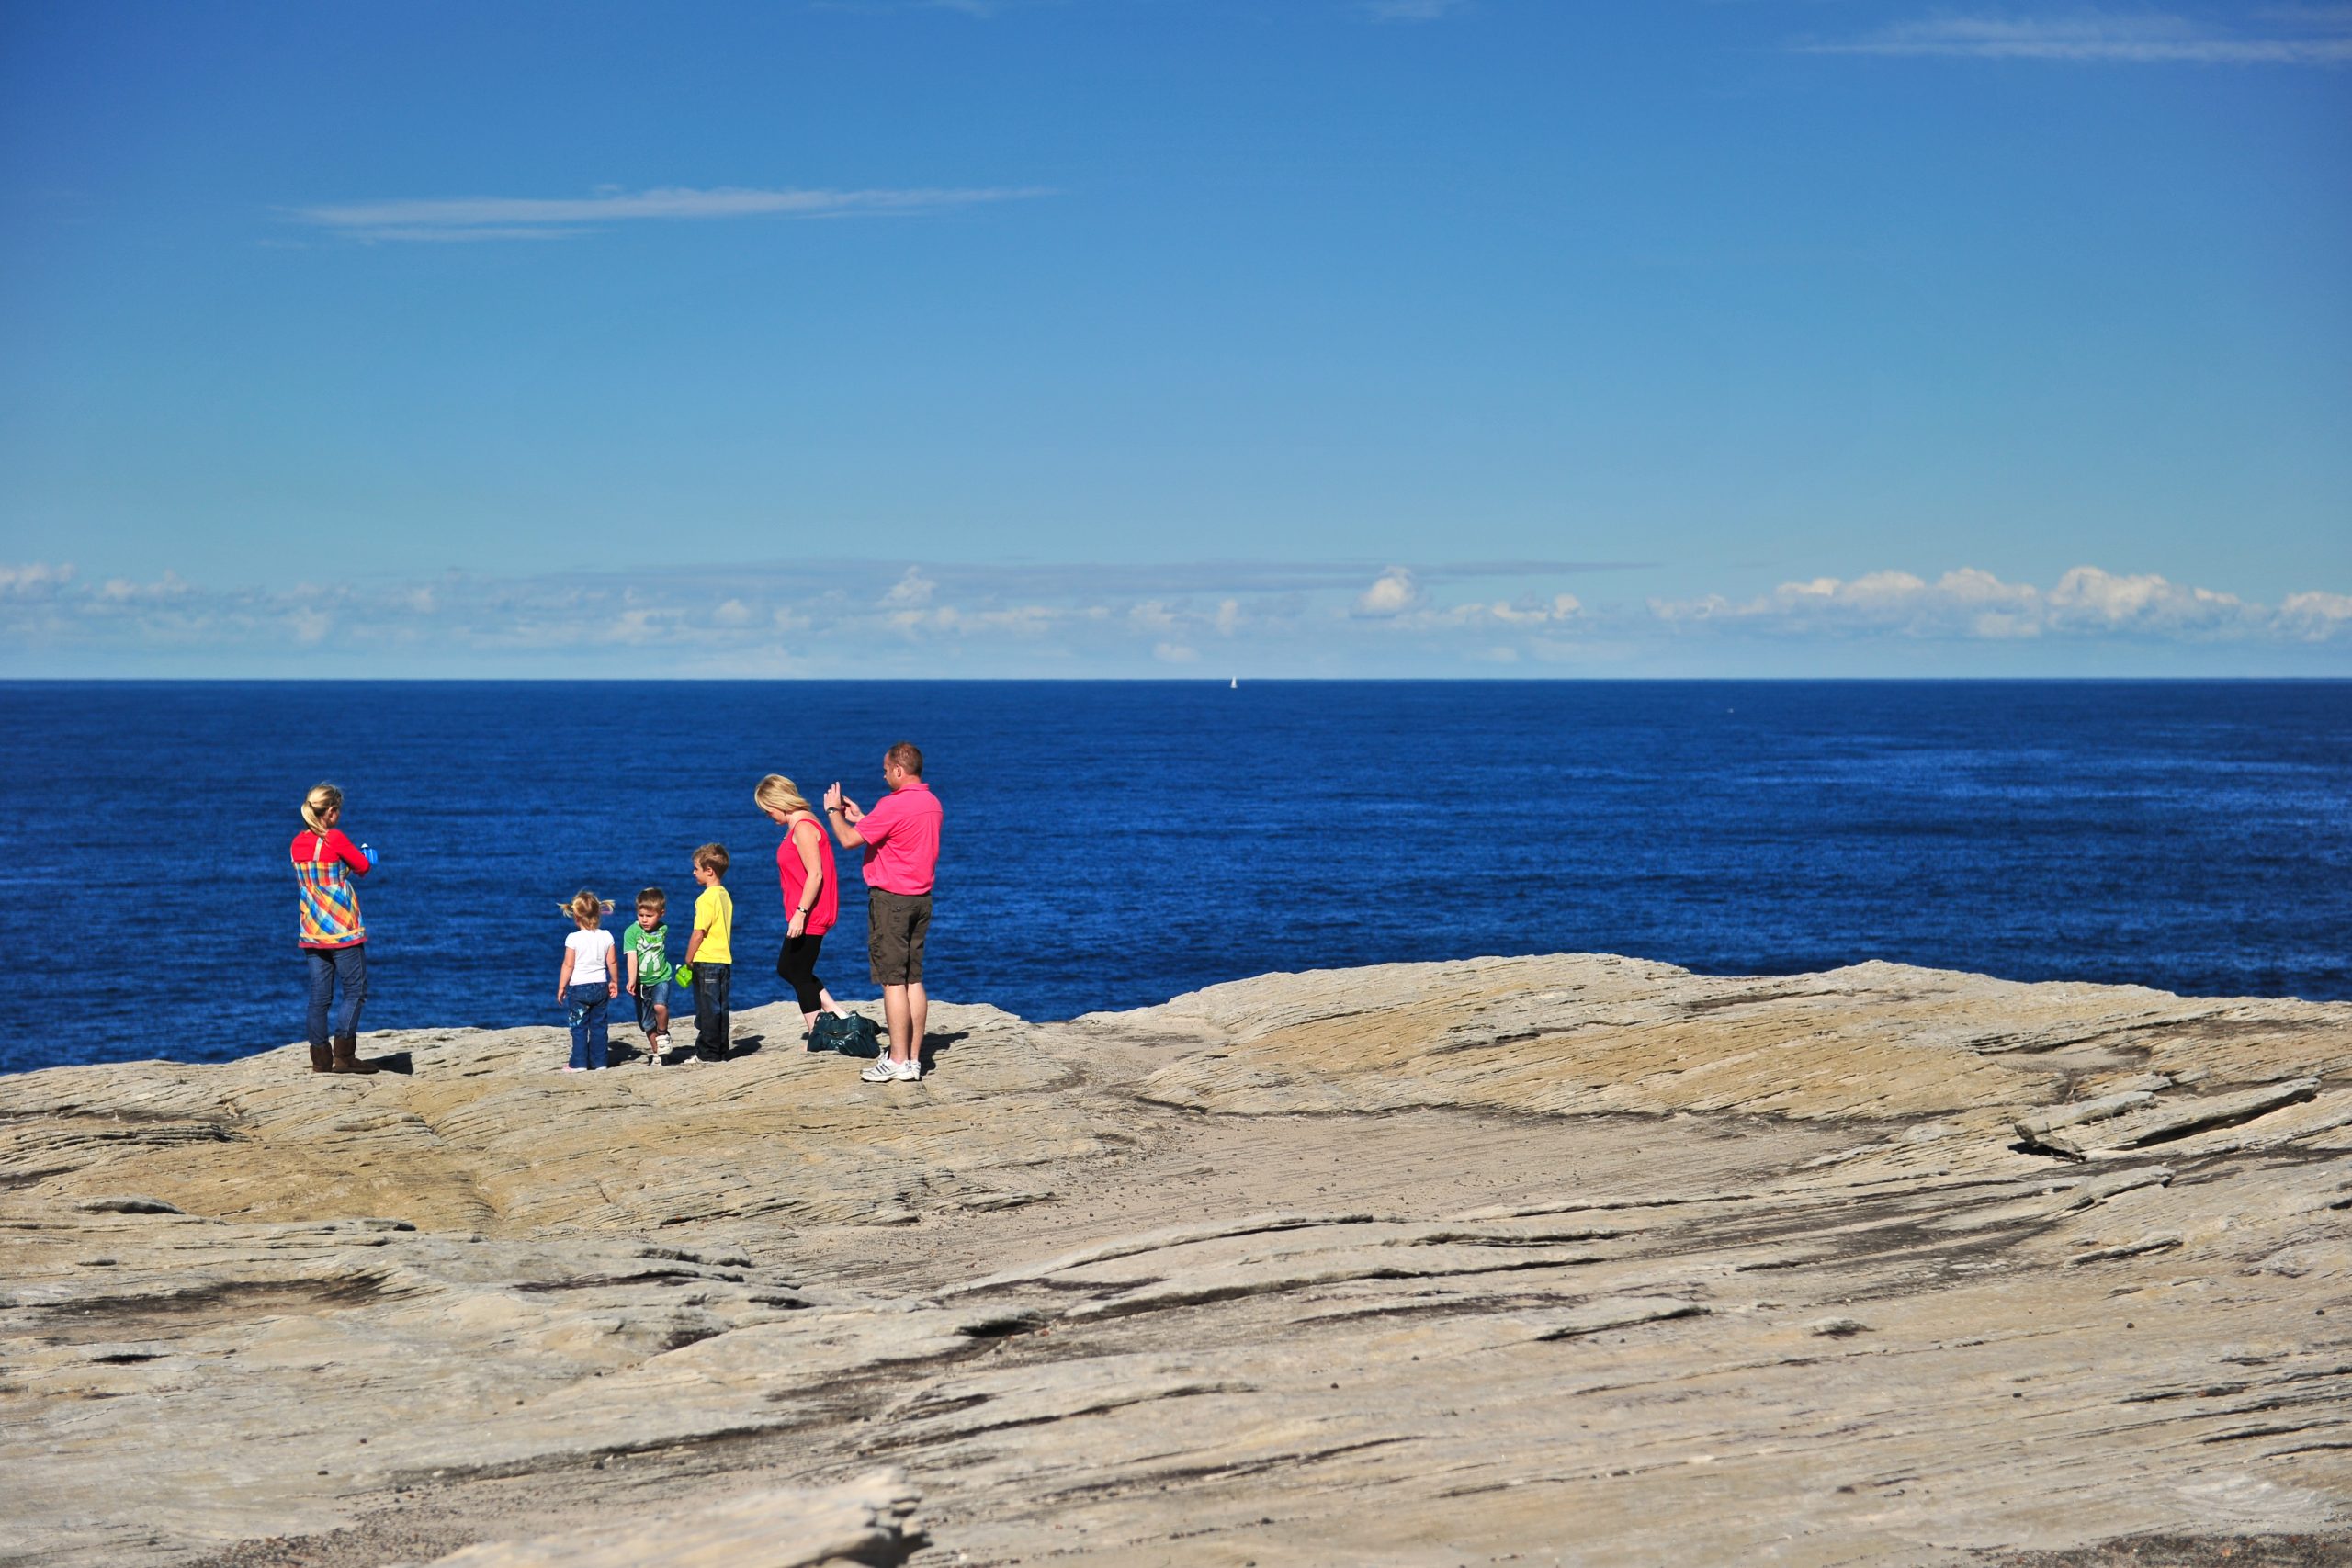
[323, 798]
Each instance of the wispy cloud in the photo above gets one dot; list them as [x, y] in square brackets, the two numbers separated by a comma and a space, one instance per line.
[867, 617]
[980, 9]
[911, 589]
[842, 616]
[546, 217]
[2086, 602]
[34, 579]
[1412, 10]
[2297, 36]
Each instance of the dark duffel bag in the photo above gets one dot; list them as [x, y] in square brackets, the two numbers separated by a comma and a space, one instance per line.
[856, 1035]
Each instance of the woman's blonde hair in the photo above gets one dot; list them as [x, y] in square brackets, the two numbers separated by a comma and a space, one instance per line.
[323, 798]
[587, 908]
[777, 792]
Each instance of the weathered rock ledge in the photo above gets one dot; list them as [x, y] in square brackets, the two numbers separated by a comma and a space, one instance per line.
[1577, 1259]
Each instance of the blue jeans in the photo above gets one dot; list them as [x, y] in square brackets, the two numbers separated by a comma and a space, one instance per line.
[584, 1006]
[712, 1018]
[330, 967]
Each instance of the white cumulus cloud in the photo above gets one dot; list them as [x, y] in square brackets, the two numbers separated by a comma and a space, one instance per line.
[2316, 615]
[2087, 596]
[1392, 593]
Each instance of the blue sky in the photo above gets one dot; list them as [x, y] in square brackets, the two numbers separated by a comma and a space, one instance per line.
[1120, 337]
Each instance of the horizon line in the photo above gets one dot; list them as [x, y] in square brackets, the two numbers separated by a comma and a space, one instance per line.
[1166, 679]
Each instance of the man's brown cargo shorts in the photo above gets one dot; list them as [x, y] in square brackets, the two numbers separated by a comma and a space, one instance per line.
[896, 924]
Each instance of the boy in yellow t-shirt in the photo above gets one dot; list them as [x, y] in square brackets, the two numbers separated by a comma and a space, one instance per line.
[710, 955]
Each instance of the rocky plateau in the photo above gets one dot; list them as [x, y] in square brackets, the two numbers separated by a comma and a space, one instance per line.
[1573, 1259]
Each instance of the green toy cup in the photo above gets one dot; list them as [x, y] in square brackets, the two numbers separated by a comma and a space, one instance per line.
[681, 976]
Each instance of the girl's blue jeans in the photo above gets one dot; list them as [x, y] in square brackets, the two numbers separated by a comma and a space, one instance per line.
[330, 967]
[585, 1007]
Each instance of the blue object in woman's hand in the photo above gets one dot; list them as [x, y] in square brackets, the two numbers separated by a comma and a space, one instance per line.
[369, 851]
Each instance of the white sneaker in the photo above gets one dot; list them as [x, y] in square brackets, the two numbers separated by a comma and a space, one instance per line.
[878, 1071]
[907, 1071]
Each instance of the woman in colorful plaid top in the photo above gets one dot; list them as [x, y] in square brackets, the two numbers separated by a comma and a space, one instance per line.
[332, 934]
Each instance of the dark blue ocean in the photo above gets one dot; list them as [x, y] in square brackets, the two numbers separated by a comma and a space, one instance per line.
[1112, 844]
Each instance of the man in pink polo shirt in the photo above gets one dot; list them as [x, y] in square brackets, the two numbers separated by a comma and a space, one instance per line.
[900, 840]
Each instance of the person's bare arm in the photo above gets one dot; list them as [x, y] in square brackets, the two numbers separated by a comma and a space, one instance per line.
[563, 981]
[632, 971]
[843, 814]
[693, 945]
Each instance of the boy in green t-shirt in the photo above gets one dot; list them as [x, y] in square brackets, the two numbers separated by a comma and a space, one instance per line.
[710, 953]
[647, 949]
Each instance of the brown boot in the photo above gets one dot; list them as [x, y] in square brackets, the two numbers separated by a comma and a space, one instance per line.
[346, 1056]
[322, 1060]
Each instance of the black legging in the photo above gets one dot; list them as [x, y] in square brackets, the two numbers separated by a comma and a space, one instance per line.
[797, 964]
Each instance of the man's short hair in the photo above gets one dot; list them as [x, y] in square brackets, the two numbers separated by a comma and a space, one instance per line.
[715, 857]
[905, 754]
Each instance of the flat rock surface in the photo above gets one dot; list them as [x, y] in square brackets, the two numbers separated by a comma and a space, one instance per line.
[1576, 1259]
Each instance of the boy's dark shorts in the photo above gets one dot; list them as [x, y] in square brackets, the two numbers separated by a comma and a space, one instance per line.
[896, 924]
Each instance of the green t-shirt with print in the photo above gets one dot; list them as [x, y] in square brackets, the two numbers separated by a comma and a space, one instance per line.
[646, 946]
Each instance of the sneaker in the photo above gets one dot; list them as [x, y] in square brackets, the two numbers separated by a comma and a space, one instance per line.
[878, 1071]
[907, 1071]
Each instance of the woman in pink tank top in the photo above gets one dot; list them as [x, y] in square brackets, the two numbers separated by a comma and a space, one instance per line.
[812, 896]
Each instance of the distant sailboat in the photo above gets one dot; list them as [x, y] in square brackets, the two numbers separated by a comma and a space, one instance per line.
[1237, 684]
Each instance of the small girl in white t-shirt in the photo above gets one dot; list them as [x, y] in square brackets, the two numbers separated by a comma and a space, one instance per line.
[590, 981]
